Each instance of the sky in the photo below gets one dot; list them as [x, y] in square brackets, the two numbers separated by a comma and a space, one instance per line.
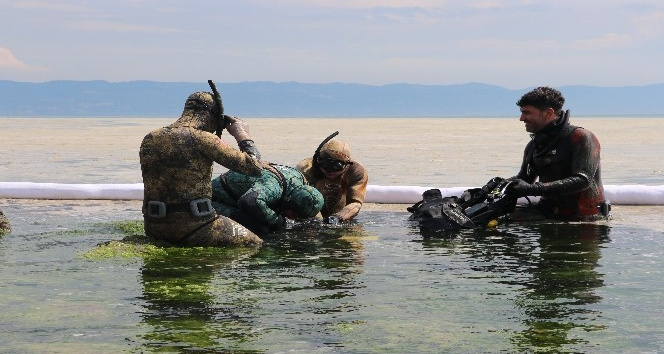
[514, 44]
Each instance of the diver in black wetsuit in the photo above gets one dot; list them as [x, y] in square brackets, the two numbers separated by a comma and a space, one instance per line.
[561, 163]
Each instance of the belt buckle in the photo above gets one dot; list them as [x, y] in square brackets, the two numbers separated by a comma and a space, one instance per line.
[156, 209]
[605, 208]
[201, 207]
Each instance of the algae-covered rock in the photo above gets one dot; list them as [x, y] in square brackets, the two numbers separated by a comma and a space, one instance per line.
[4, 224]
[135, 244]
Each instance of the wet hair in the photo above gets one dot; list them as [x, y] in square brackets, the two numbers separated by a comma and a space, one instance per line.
[542, 98]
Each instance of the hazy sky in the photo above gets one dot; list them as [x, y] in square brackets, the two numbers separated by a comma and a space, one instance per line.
[514, 44]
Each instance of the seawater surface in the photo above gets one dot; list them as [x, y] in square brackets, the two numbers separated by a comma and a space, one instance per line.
[79, 276]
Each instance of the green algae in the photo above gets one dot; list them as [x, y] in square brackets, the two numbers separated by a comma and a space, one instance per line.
[130, 227]
[135, 244]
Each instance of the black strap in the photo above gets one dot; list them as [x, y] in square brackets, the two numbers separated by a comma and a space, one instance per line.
[176, 208]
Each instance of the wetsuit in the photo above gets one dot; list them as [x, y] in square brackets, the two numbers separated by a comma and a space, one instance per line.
[176, 163]
[345, 194]
[566, 159]
[258, 202]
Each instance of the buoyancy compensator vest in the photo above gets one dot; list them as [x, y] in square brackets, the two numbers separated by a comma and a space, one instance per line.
[474, 208]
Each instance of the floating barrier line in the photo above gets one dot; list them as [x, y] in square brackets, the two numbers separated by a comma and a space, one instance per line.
[617, 194]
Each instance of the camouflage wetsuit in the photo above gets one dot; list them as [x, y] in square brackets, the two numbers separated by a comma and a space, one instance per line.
[343, 195]
[259, 202]
[566, 159]
[176, 162]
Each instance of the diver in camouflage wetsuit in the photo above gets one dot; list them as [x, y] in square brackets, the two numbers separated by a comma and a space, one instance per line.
[566, 160]
[265, 202]
[176, 162]
[342, 181]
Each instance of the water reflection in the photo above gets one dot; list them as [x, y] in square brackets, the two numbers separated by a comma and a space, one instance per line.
[181, 309]
[564, 280]
[552, 268]
[299, 285]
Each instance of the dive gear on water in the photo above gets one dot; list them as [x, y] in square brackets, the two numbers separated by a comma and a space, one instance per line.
[475, 208]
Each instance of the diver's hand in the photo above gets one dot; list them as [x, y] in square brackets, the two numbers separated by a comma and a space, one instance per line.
[521, 188]
[280, 224]
[238, 128]
[334, 220]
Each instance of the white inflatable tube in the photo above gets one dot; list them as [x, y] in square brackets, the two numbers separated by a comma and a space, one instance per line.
[30, 190]
[617, 194]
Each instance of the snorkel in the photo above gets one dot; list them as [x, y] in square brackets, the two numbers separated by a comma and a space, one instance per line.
[314, 163]
[218, 109]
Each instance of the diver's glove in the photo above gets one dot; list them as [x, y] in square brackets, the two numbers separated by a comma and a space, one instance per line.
[521, 188]
[334, 220]
[280, 224]
[237, 128]
[250, 148]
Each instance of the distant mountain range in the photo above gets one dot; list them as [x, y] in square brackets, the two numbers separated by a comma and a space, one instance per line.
[292, 99]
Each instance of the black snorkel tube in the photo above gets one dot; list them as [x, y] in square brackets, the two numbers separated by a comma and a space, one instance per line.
[314, 163]
[218, 109]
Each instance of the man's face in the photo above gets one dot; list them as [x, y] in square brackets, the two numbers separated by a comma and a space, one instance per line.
[535, 119]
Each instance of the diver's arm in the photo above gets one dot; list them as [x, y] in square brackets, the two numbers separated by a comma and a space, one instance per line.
[357, 190]
[240, 131]
[349, 211]
[255, 202]
[521, 188]
[222, 153]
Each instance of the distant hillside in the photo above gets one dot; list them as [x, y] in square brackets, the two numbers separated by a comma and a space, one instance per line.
[292, 99]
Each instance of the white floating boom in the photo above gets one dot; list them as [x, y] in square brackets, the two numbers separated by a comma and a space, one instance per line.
[617, 194]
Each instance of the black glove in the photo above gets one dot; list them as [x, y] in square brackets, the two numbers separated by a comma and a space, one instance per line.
[249, 147]
[280, 224]
[334, 220]
[521, 188]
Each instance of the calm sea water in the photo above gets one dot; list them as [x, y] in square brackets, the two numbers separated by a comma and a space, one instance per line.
[378, 285]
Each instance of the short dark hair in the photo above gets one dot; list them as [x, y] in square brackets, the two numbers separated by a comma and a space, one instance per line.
[542, 98]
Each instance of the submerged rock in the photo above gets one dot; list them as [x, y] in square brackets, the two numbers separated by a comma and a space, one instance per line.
[4, 224]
